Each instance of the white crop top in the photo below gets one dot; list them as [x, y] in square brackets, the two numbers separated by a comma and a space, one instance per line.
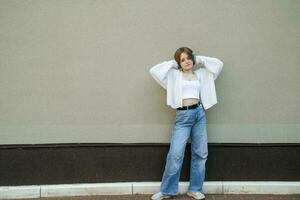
[190, 89]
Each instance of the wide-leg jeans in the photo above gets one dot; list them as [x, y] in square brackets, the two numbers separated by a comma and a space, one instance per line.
[188, 123]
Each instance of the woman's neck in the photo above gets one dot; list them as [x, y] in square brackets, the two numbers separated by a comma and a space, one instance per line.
[188, 72]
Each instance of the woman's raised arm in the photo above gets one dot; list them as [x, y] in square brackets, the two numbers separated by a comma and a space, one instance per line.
[160, 71]
[213, 65]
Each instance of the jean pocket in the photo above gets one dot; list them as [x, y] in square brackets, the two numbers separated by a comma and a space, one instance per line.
[181, 116]
[180, 111]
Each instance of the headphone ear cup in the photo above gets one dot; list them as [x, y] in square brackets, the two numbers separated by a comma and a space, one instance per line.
[194, 59]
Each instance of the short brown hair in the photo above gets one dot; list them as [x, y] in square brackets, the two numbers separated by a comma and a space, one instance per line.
[186, 50]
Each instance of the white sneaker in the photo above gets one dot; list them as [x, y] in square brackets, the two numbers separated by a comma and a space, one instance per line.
[196, 195]
[160, 196]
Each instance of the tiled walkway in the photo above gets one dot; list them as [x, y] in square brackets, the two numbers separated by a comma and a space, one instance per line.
[182, 197]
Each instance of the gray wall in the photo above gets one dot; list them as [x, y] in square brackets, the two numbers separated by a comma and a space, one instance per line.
[78, 71]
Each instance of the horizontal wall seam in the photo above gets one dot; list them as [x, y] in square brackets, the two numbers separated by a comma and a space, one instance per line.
[78, 145]
[210, 187]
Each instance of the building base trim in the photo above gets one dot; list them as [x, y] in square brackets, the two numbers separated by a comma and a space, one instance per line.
[125, 188]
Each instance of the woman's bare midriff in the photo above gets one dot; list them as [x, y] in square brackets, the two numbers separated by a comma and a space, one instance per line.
[188, 102]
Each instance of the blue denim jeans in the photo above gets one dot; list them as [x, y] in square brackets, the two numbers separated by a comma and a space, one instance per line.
[188, 123]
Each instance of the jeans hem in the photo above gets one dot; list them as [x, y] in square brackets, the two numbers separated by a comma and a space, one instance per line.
[169, 194]
[195, 190]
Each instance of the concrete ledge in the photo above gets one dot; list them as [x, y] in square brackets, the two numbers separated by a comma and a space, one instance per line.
[20, 192]
[86, 189]
[152, 187]
[211, 187]
[261, 187]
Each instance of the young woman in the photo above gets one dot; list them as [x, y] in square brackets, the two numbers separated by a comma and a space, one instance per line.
[190, 92]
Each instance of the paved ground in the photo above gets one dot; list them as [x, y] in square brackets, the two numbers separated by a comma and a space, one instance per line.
[183, 197]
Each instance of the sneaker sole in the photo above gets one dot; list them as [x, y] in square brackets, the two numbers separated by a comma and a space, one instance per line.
[165, 197]
[190, 195]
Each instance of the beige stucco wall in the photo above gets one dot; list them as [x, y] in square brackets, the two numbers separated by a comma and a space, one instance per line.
[78, 71]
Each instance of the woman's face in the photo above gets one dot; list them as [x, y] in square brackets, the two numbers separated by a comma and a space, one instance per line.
[185, 62]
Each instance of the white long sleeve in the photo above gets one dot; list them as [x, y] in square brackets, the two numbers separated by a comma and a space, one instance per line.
[160, 71]
[213, 65]
[170, 78]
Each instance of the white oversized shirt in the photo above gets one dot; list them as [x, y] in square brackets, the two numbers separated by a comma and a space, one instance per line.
[170, 78]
